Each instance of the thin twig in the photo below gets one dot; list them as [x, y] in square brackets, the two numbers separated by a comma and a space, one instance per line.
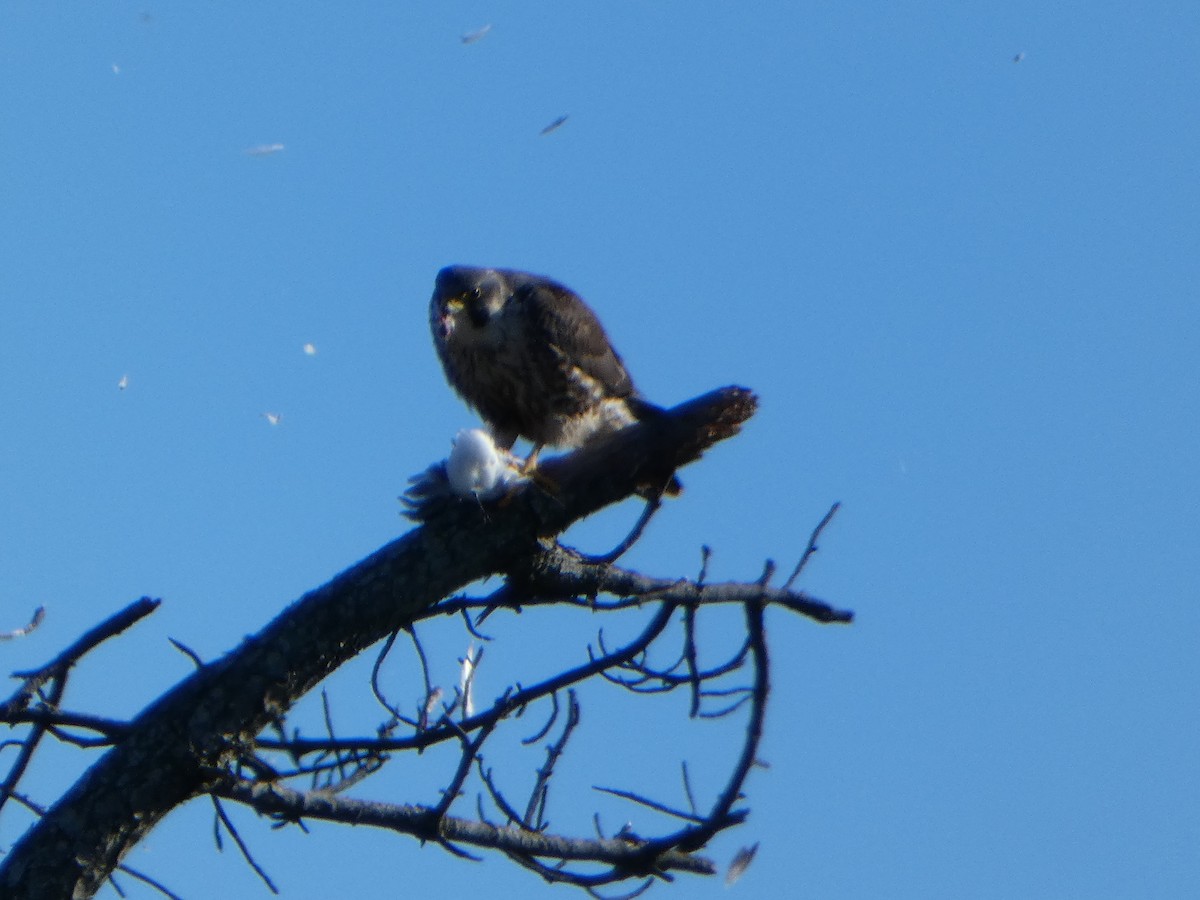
[188, 652]
[689, 655]
[112, 729]
[110, 627]
[329, 730]
[536, 809]
[812, 548]
[549, 722]
[241, 845]
[29, 746]
[499, 710]
[375, 689]
[116, 886]
[730, 708]
[687, 787]
[762, 688]
[498, 798]
[652, 804]
[470, 749]
[146, 879]
[652, 506]
[466, 616]
[412, 633]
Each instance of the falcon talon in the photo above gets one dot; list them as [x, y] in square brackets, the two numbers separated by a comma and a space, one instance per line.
[530, 464]
[545, 482]
[509, 496]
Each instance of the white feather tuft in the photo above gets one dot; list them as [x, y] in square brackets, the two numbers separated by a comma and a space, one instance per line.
[478, 468]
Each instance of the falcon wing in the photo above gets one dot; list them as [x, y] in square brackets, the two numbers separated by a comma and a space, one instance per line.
[559, 318]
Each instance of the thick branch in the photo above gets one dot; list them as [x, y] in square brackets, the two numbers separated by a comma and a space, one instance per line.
[176, 745]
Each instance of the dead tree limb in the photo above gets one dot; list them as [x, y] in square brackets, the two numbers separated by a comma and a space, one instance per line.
[181, 745]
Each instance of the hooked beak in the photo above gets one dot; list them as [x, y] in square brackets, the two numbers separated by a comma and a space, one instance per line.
[450, 310]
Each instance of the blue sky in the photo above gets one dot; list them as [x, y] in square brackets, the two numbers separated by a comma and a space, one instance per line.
[965, 289]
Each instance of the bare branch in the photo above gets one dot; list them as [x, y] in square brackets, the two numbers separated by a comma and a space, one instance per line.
[188, 652]
[376, 690]
[687, 787]
[536, 810]
[723, 809]
[429, 692]
[533, 739]
[470, 750]
[112, 729]
[61, 664]
[652, 506]
[417, 821]
[147, 880]
[812, 548]
[502, 804]
[651, 804]
[560, 571]
[200, 736]
[29, 745]
[241, 845]
[689, 656]
[499, 710]
[471, 627]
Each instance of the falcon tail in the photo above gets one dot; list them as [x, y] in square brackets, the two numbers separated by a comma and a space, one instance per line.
[645, 411]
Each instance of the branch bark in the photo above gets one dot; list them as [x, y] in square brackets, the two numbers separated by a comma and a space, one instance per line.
[177, 746]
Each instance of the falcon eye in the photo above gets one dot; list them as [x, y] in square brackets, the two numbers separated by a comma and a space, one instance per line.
[477, 308]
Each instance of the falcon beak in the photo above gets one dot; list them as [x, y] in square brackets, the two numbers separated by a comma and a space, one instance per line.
[450, 310]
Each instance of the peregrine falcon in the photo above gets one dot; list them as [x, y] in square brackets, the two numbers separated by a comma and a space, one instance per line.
[532, 358]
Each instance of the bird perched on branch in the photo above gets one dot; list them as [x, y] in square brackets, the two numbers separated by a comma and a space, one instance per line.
[532, 358]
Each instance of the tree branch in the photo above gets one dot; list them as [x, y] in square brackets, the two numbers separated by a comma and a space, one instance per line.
[418, 821]
[176, 747]
[558, 572]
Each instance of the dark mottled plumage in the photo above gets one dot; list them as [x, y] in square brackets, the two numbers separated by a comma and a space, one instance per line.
[531, 357]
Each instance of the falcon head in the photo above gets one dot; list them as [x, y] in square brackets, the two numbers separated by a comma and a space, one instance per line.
[466, 302]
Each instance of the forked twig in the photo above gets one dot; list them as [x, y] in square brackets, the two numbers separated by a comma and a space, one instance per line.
[811, 547]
